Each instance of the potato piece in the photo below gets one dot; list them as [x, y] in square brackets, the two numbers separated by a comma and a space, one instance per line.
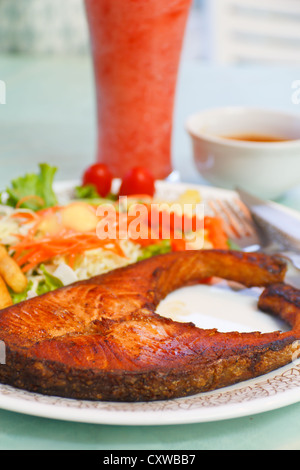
[5, 298]
[79, 217]
[49, 225]
[191, 196]
[11, 272]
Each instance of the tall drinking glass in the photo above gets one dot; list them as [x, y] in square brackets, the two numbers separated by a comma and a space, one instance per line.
[136, 48]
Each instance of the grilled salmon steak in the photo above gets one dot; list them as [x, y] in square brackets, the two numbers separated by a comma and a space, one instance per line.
[101, 339]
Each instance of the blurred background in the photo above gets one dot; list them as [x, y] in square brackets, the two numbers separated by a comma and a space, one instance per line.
[224, 31]
[60, 27]
[236, 52]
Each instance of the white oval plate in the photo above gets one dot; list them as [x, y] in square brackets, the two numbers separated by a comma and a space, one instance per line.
[221, 306]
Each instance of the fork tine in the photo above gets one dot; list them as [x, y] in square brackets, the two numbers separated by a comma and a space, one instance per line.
[242, 219]
[217, 211]
[245, 215]
[233, 218]
[238, 223]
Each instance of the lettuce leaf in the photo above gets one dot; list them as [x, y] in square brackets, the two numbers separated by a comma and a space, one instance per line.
[88, 191]
[156, 249]
[89, 194]
[49, 283]
[33, 191]
[233, 246]
[16, 298]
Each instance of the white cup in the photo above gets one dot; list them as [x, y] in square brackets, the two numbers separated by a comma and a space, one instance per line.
[266, 169]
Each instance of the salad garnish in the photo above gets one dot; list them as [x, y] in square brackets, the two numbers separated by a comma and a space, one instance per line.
[32, 191]
[53, 244]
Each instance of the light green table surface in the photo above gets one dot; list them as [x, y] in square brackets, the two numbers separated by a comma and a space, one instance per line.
[50, 116]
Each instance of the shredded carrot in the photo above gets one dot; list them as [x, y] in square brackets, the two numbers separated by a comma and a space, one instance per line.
[72, 259]
[216, 233]
[178, 245]
[31, 252]
[24, 215]
[139, 196]
[36, 248]
[39, 200]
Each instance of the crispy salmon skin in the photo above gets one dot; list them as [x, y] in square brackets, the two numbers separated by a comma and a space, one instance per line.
[101, 339]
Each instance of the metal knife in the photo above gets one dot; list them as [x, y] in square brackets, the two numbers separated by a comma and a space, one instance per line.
[278, 226]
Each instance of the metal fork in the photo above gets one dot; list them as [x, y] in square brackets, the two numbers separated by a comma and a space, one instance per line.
[242, 230]
[238, 223]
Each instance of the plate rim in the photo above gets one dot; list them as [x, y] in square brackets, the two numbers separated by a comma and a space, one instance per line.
[32, 404]
[56, 409]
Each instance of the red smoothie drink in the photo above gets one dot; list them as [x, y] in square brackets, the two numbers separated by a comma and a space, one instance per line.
[136, 48]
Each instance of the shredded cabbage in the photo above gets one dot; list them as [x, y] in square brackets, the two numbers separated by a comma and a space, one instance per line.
[90, 263]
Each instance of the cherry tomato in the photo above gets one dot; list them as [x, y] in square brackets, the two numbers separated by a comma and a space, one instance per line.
[100, 176]
[137, 181]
